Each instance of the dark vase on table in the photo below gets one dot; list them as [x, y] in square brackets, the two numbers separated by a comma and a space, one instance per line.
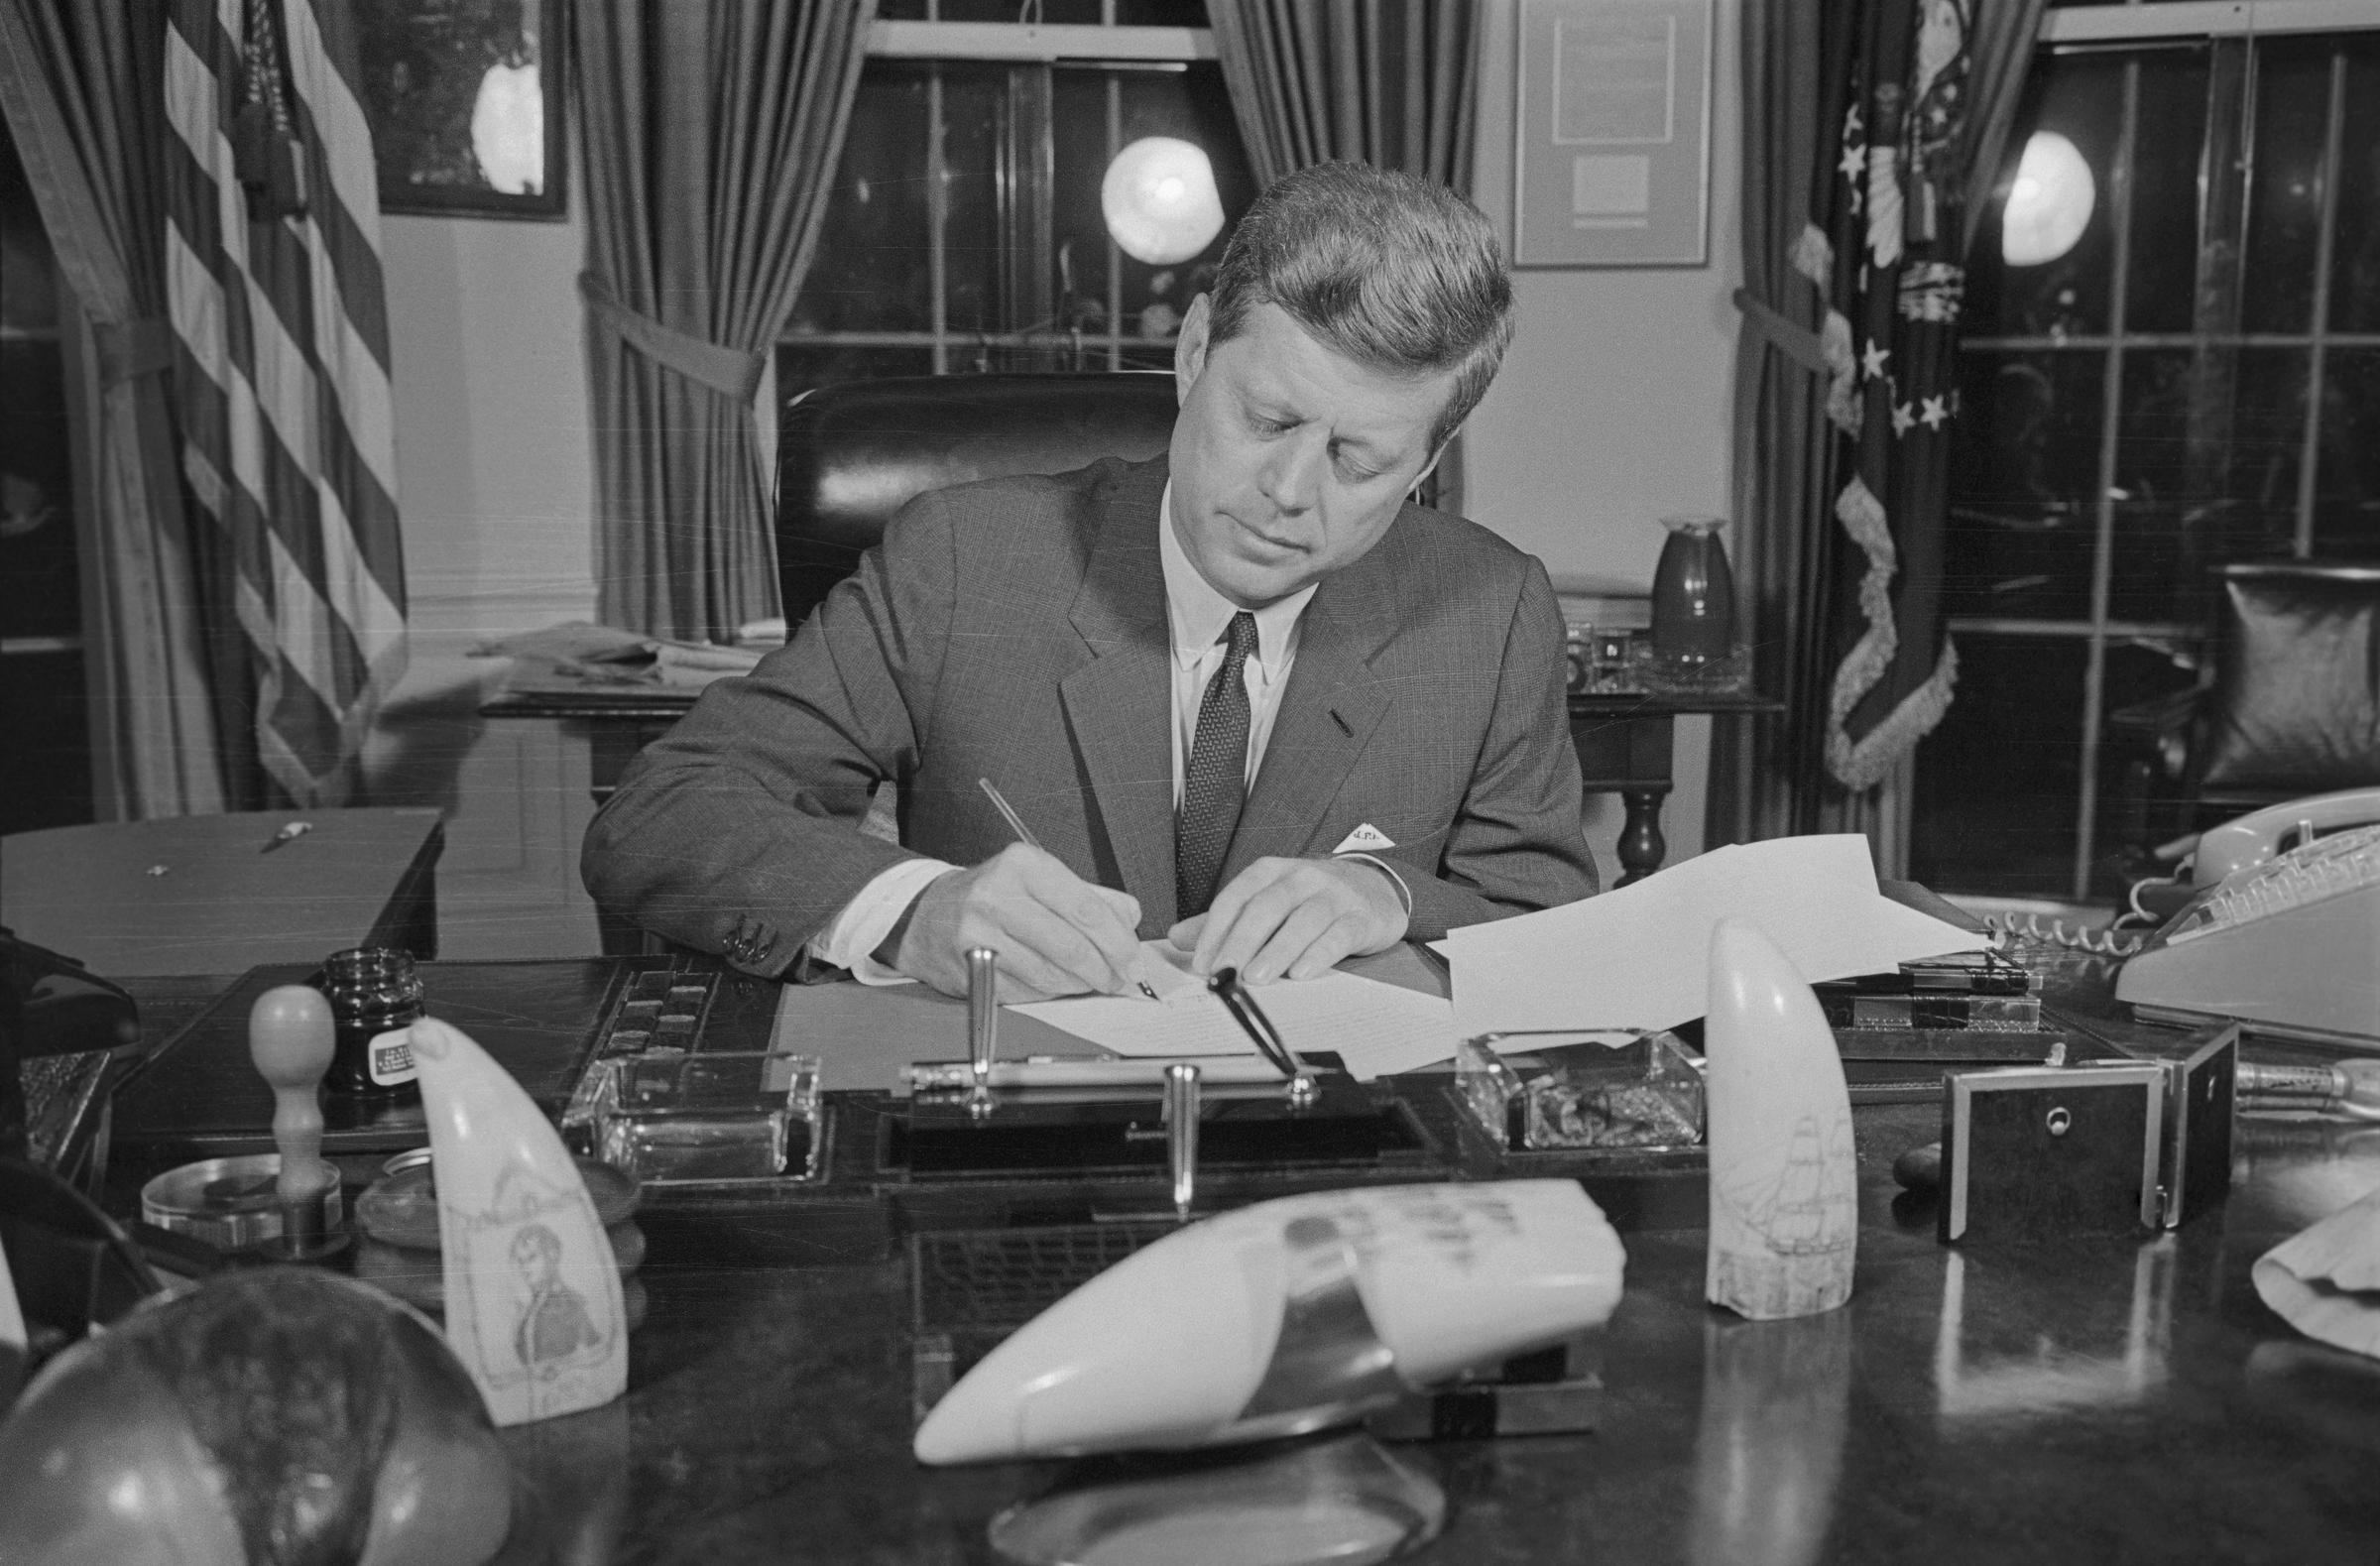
[1694, 596]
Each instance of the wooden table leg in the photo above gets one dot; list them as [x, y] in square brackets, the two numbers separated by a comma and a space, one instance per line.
[1641, 846]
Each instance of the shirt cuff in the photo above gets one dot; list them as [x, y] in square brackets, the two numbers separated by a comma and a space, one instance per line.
[852, 937]
[1404, 893]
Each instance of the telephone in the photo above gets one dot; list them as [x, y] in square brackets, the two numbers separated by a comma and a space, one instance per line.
[2286, 941]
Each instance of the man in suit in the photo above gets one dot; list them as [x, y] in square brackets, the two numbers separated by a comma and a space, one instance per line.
[1243, 695]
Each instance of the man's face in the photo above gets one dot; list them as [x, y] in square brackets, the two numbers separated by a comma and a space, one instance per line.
[1289, 458]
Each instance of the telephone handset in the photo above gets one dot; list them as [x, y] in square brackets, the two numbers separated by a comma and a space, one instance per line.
[2252, 839]
[2286, 942]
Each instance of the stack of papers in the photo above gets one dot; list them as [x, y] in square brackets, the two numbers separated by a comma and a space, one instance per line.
[1638, 957]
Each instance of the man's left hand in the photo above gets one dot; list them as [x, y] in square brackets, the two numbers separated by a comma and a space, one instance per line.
[1294, 917]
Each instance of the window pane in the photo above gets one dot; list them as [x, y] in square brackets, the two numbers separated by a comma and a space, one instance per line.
[980, 187]
[1190, 105]
[2081, 99]
[37, 566]
[2204, 470]
[2285, 193]
[2024, 471]
[2347, 506]
[2355, 249]
[1998, 784]
[2167, 153]
[2268, 446]
[45, 767]
[871, 270]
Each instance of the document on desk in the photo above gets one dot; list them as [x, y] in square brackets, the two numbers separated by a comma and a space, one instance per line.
[1637, 956]
[1377, 1030]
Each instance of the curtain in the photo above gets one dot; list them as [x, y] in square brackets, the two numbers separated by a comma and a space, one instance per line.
[1388, 82]
[80, 81]
[1843, 433]
[712, 132]
[1391, 82]
[280, 343]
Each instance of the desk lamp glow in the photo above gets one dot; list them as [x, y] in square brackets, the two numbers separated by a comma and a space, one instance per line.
[1159, 202]
[1287, 1317]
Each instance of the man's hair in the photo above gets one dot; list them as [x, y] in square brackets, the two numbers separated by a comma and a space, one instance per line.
[1391, 270]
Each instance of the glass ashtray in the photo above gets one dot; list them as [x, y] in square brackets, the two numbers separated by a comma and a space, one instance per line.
[1601, 1088]
[727, 1115]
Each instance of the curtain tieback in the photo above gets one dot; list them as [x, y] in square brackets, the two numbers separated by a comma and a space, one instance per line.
[133, 348]
[1797, 342]
[731, 372]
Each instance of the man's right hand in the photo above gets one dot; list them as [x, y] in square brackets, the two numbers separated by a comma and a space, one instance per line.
[1056, 932]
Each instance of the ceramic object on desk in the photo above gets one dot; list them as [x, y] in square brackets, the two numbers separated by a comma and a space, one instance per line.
[533, 1303]
[1693, 595]
[1784, 1181]
[1287, 1317]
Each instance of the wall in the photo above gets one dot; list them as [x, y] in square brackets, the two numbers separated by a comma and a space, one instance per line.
[493, 480]
[1614, 407]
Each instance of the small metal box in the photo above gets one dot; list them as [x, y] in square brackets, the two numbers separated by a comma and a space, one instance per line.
[2036, 1151]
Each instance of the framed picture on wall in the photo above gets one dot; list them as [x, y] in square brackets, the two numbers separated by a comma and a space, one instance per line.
[466, 99]
[1611, 166]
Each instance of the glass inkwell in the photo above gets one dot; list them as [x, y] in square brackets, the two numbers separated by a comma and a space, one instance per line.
[1559, 1088]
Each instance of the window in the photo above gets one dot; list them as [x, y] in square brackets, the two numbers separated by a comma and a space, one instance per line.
[964, 234]
[2171, 360]
[46, 770]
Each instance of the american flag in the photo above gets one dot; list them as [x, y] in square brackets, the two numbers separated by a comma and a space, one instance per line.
[282, 372]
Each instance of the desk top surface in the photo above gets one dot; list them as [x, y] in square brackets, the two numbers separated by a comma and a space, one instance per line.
[2125, 1398]
[202, 894]
[2119, 1399]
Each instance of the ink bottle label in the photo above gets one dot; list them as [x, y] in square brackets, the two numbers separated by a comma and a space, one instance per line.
[375, 996]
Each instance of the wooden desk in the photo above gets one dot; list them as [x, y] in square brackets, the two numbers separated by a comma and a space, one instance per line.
[1625, 744]
[2121, 1398]
[200, 894]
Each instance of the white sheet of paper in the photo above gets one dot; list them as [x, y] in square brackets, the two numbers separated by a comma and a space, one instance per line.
[1638, 957]
[1376, 1028]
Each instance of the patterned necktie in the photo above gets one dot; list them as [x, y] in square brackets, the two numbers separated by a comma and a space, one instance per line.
[1215, 783]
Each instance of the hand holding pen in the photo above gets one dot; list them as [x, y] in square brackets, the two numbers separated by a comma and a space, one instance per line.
[1056, 933]
[1025, 835]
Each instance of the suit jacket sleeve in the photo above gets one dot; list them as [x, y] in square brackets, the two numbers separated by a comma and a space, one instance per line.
[740, 829]
[1516, 845]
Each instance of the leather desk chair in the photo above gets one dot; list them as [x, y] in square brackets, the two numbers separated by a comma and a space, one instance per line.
[850, 457]
[2289, 705]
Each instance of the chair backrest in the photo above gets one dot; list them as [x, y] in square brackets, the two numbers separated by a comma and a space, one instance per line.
[850, 457]
[2295, 706]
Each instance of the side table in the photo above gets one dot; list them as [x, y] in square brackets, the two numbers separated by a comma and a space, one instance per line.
[1625, 741]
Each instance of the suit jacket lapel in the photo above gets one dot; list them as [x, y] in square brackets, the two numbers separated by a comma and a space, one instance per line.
[1119, 704]
[1326, 717]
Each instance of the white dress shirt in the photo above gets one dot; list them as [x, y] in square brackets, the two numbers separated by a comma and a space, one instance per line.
[1198, 616]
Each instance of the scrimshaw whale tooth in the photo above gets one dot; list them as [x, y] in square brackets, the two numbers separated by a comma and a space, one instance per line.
[1784, 1181]
[534, 1308]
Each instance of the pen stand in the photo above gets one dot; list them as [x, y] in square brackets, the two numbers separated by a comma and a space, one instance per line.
[1032, 1130]
[1645, 1092]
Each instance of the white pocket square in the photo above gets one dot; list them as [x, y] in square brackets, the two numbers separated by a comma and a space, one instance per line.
[1363, 839]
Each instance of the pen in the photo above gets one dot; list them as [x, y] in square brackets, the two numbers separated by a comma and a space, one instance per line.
[1252, 1020]
[1025, 835]
[287, 835]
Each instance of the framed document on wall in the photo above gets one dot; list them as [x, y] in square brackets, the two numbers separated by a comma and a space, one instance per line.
[1612, 162]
